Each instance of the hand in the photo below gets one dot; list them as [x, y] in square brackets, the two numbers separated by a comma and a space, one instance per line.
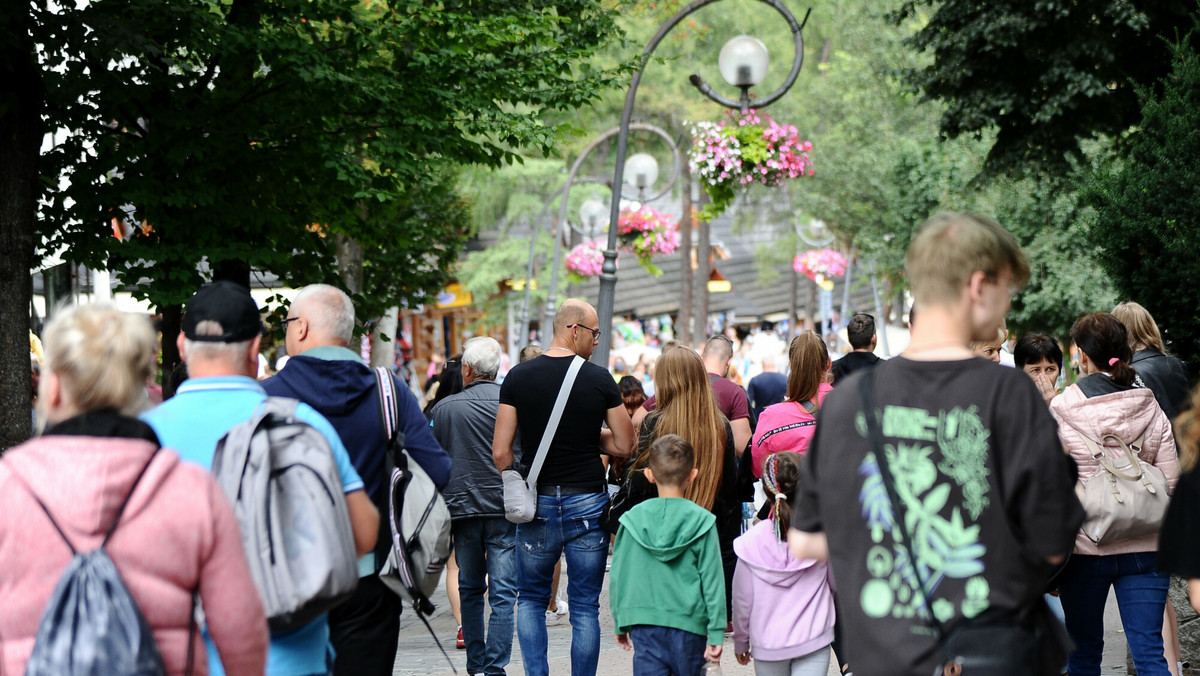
[1045, 386]
[712, 653]
[743, 658]
[624, 642]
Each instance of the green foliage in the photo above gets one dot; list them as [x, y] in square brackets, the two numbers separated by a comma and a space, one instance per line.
[252, 132]
[1146, 226]
[1042, 75]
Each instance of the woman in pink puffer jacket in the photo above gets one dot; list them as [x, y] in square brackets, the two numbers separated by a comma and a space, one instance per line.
[1105, 402]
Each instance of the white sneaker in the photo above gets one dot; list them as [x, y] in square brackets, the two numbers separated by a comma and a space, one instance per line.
[554, 617]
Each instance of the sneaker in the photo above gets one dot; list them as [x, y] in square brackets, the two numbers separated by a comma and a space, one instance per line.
[554, 617]
[459, 643]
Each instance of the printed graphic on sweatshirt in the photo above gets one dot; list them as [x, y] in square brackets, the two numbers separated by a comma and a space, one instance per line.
[932, 453]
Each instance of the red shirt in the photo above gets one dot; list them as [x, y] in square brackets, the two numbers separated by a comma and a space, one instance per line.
[731, 398]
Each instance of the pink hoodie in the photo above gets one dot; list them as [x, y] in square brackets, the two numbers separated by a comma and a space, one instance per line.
[1125, 414]
[178, 531]
[781, 606]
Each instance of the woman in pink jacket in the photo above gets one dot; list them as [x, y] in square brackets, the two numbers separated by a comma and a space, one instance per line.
[790, 424]
[177, 533]
[1105, 402]
[782, 607]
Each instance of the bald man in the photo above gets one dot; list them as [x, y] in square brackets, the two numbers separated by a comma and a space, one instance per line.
[571, 488]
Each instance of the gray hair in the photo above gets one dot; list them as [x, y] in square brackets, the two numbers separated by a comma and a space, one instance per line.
[328, 310]
[482, 354]
[230, 354]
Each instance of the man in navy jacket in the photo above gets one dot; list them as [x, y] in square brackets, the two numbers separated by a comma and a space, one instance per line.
[324, 373]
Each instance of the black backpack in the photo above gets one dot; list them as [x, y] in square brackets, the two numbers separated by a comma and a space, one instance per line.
[92, 625]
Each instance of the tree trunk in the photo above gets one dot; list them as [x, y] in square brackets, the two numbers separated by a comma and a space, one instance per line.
[172, 365]
[350, 263]
[22, 97]
[383, 352]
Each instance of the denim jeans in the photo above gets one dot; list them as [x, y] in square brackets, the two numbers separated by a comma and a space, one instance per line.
[1141, 595]
[485, 548]
[567, 524]
[666, 651]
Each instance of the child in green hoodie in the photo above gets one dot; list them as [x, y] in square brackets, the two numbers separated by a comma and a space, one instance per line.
[666, 586]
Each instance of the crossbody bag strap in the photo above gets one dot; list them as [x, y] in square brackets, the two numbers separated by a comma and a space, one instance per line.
[560, 403]
[1097, 450]
[866, 388]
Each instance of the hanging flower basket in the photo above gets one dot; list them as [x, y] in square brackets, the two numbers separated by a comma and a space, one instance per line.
[728, 156]
[820, 265]
[648, 232]
[584, 261]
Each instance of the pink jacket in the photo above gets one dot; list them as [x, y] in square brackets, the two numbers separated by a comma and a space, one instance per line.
[178, 531]
[782, 607]
[1124, 414]
[785, 426]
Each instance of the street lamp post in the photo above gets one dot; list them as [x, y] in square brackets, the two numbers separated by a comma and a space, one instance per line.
[745, 59]
[642, 171]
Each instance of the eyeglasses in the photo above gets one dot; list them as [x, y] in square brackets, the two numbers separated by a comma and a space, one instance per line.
[284, 324]
[595, 332]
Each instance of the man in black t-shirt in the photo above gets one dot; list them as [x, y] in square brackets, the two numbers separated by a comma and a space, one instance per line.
[986, 491]
[572, 489]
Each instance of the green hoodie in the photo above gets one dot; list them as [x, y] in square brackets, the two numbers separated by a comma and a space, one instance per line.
[666, 569]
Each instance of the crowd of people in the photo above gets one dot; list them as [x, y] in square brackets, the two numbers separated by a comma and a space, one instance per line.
[917, 515]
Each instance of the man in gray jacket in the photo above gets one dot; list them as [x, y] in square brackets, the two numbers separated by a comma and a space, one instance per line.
[484, 541]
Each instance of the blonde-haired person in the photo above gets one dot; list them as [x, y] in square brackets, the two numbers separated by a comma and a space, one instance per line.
[176, 533]
[790, 424]
[989, 349]
[1103, 404]
[1163, 374]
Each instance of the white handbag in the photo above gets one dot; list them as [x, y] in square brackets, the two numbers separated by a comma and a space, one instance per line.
[520, 493]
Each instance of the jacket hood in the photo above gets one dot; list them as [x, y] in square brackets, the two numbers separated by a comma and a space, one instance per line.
[336, 387]
[664, 530]
[767, 557]
[1125, 413]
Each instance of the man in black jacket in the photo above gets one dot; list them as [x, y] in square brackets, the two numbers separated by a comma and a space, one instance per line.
[484, 541]
[861, 332]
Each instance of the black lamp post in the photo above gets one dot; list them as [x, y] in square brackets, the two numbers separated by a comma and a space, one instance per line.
[743, 64]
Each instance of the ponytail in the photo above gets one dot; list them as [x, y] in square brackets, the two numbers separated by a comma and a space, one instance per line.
[1103, 338]
[781, 481]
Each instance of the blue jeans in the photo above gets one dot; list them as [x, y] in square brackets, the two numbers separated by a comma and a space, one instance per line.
[485, 548]
[570, 524]
[665, 651]
[1141, 595]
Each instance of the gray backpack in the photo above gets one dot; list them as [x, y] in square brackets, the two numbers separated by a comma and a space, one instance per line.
[280, 474]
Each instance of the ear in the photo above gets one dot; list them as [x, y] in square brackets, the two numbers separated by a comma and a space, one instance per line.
[649, 475]
[975, 285]
[252, 354]
[50, 394]
[301, 330]
[692, 475]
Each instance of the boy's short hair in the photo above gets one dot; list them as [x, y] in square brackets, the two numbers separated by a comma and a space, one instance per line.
[950, 247]
[860, 330]
[671, 459]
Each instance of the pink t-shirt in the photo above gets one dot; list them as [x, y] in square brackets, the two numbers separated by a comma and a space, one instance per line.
[785, 426]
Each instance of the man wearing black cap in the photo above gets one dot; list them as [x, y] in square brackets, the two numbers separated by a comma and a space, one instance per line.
[219, 342]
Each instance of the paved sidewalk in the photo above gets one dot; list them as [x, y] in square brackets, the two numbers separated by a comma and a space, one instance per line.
[418, 655]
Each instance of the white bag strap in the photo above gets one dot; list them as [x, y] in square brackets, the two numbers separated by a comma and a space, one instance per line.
[388, 405]
[552, 426]
[1097, 451]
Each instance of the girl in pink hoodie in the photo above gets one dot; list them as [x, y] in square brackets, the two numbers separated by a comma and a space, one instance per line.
[782, 607]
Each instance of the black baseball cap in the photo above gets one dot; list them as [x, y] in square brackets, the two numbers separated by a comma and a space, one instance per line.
[227, 304]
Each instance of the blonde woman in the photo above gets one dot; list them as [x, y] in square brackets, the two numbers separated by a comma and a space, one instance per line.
[176, 533]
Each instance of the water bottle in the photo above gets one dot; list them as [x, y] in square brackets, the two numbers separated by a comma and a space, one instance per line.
[711, 669]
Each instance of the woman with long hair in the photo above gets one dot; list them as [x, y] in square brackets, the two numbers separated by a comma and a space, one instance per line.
[97, 467]
[687, 406]
[790, 424]
[1099, 417]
